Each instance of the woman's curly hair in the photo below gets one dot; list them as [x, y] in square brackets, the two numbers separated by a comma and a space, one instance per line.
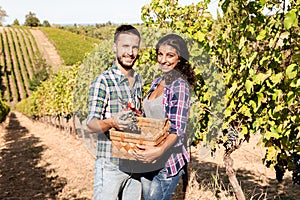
[183, 69]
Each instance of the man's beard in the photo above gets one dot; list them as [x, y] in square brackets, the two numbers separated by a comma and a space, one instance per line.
[126, 66]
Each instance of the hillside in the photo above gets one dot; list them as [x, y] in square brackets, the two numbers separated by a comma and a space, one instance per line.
[47, 49]
[20, 59]
[29, 55]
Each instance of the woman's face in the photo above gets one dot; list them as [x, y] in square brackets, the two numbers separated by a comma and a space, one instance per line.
[167, 57]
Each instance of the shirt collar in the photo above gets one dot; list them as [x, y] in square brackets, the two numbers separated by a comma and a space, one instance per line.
[120, 76]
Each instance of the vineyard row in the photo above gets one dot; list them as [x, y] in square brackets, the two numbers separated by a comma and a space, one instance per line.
[18, 56]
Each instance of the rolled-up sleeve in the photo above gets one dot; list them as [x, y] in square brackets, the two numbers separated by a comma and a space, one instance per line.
[179, 108]
[97, 99]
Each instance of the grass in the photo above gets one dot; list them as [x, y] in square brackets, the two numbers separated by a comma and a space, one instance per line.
[71, 47]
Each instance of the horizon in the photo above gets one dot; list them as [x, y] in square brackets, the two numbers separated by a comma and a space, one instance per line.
[87, 12]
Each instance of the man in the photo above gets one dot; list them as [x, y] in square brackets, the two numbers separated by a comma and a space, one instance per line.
[106, 94]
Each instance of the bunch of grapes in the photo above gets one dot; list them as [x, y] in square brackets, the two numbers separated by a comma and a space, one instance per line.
[132, 127]
[296, 172]
[232, 136]
[279, 171]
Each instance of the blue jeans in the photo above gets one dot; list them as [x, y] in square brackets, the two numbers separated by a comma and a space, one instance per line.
[110, 183]
[157, 186]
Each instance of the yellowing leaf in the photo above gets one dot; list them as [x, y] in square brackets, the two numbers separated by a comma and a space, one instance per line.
[272, 154]
[295, 83]
[249, 86]
[260, 78]
[269, 134]
[200, 36]
[291, 19]
[276, 78]
[261, 35]
[291, 71]
[244, 130]
[245, 111]
[242, 42]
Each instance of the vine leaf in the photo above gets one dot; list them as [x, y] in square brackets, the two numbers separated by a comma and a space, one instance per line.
[291, 71]
[290, 19]
[272, 134]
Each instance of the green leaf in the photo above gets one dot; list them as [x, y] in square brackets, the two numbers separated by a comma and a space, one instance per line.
[270, 134]
[261, 98]
[244, 130]
[291, 71]
[200, 36]
[290, 19]
[261, 35]
[242, 42]
[295, 83]
[271, 155]
[263, 2]
[261, 77]
[275, 132]
[276, 78]
[253, 104]
[249, 86]
[245, 111]
[291, 97]
[251, 59]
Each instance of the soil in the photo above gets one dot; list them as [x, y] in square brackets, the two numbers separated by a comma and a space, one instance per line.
[39, 161]
[47, 49]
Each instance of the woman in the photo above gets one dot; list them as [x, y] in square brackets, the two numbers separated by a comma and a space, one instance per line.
[169, 96]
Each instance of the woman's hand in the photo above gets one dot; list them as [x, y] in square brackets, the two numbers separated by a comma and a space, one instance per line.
[147, 154]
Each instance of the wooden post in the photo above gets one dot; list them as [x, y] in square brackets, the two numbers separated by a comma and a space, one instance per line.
[232, 177]
[73, 127]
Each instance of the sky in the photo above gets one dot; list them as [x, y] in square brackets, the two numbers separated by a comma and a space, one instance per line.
[82, 12]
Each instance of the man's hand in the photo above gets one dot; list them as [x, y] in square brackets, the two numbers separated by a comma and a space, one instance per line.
[118, 122]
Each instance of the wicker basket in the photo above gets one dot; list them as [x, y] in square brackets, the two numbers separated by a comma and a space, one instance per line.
[153, 132]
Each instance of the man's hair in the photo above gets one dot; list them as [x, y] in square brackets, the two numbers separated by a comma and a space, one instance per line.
[126, 29]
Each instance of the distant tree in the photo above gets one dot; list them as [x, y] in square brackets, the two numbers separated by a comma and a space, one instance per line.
[2, 15]
[16, 22]
[31, 20]
[46, 23]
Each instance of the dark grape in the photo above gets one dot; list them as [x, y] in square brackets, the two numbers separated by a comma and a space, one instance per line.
[232, 136]
[296, 172]
[279, 173]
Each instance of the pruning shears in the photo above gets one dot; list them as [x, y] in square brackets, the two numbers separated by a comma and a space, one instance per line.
[130, 106]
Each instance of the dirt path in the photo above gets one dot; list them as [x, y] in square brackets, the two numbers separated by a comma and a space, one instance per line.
[47, 49]
[40, 162]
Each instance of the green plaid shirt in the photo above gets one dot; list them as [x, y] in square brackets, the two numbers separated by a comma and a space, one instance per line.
[105, 93]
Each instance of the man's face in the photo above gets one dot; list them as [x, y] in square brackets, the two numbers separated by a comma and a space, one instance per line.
[126, 47]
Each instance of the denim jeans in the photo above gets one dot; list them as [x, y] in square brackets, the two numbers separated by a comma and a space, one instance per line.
[110, 183]
[158, 186]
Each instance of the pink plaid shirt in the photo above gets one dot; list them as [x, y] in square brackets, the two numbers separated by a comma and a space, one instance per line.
[176, 101]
